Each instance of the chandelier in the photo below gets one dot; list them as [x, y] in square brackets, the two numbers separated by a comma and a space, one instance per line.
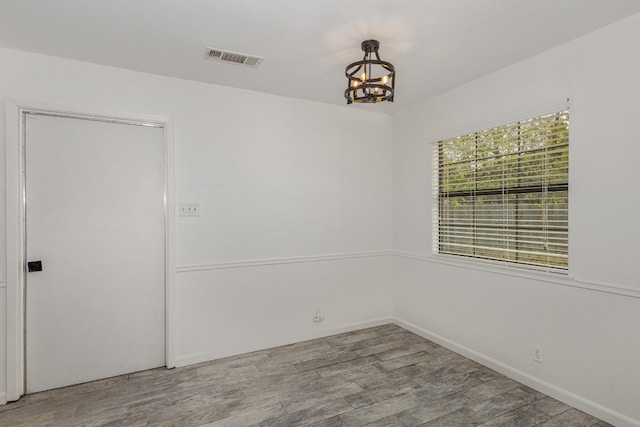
[370, 80]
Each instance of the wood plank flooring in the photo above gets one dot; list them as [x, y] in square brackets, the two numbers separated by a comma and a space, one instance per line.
[383, 376]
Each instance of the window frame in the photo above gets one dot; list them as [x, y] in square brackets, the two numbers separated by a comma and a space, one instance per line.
[542, 190]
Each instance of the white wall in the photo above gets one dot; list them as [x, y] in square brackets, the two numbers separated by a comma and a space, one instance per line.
[353, 293]
[279, 178]
[276, 179]
[3, 338]
[589, 337]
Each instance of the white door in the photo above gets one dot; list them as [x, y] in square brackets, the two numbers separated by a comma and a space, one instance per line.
[95, 218]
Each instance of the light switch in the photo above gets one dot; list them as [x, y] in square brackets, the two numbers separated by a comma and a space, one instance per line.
[189, 209]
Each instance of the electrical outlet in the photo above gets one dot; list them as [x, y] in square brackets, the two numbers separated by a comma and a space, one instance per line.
[317, 316]
[538, 355]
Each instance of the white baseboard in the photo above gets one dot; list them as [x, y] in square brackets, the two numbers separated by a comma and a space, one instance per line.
[577, 401]
[206, 357]
[3, 398]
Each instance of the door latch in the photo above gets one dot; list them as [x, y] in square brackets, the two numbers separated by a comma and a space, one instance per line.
[34, 266]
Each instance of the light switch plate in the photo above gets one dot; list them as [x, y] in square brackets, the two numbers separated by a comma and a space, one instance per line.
[189, 209]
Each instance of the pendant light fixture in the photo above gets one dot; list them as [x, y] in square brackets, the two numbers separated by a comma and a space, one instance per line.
[370, 80]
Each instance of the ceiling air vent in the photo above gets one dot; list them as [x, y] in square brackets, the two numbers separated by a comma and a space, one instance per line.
[229, 57]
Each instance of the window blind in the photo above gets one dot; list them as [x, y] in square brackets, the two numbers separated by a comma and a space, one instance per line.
[503, 193]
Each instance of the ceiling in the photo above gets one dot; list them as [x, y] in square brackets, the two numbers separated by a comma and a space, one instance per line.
[435, 44]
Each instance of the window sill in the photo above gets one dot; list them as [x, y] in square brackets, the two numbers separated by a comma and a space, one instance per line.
[560, 278]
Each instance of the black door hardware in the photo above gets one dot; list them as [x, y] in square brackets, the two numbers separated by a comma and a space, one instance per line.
[34, 266]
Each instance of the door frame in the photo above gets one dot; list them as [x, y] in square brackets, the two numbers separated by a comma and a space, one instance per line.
[15, 112]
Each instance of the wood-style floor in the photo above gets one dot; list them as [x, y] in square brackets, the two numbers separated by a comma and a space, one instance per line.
[383, 376]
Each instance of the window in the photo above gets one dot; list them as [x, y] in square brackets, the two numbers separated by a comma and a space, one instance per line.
[503, 193]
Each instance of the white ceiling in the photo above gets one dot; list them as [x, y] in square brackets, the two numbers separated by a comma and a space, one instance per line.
[434, 44]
